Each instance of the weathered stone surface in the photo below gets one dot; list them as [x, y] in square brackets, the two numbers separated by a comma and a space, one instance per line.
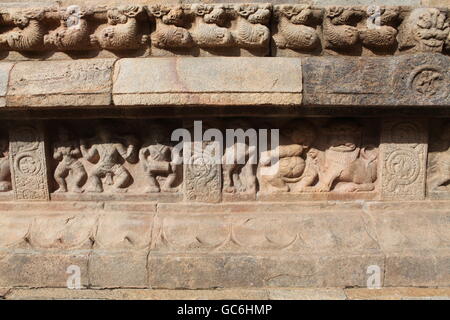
[60, 83]
[118, 269]
[40, 269]
[5, 68]
[223, 81]
[400, 81]
[397, 293]
[306, 294]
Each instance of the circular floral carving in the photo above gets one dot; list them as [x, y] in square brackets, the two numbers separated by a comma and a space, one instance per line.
[27, 164]
[404, 166]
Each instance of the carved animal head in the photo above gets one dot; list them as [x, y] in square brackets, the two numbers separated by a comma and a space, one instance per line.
[22, 18]
[210, 13]
[383, 15]
[122, 14]
[429, 27]
[298, 14]
[342, 15]
[261, 16]
[245, 10]
[174, 16]
[72, 15]
[343, 135]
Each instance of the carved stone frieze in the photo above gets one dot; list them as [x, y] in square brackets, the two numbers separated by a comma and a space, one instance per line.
[226, 29]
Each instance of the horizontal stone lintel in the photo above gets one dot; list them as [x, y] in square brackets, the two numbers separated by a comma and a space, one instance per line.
[407, 80]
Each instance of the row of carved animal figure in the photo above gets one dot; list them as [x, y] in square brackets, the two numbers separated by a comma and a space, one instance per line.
[298, 27]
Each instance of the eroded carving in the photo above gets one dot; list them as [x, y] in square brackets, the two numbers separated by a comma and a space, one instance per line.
[108, 153]
[122, 30]
[294, 27]
[67, 151]
[424, 30]
[439, 163]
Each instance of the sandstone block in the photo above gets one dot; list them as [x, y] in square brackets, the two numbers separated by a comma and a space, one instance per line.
[5, 68]
[215, 81]
[61, 83]
[370, 81]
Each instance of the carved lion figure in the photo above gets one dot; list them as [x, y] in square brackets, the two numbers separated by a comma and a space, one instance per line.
[122, 31]
[170, 31]
[293, 29]
[251, 31]
[28, 33]
[208, 31]
[346, 166]
[337, 31]
[73, 32]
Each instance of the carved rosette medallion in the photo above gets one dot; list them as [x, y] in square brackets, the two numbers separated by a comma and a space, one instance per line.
[404, 151]
[28, 163]
[203, 181]
[428, 81]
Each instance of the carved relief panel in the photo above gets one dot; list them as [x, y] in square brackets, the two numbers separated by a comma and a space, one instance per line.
[403, 154]
[5, 168]
[438, 170]
[28, 162]
[120, 159]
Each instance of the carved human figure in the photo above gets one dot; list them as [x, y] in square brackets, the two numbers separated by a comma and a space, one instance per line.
[73, 33]
[156, 159]
[380, 32]
[170, 27]
[5, 172]
[110, 153]
[424, 30]
[66, 150]
[251, 31]
[28, 33]
[345, 166]
[293, 29]
[286, 168]
[208, 30]
[122, 31]
[338, 32]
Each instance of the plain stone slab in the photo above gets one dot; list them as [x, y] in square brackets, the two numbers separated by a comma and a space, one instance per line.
[397, 293]
[209, 80]
[60, 83]
[306, 294]
[377, 81]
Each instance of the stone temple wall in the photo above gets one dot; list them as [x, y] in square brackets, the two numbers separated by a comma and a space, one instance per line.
[92, 96]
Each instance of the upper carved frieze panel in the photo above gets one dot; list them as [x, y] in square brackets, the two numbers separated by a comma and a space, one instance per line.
[224, 29]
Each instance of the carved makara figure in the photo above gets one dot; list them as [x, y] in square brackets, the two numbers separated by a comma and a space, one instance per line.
[66, 150]
[109, 153]
[122, 31]
[73, 33]
[170, 27]
[287, 167]
[251, 31]
[380, 32]
[207, 31]
[338, 32]
[424, 30]
[346, 166]
[294, 31]
[28, 33]
[156, 159]
[5, 172]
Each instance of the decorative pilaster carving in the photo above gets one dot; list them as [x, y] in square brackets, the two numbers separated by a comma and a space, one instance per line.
[404, 154]
[28, 162]
[5, 168]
